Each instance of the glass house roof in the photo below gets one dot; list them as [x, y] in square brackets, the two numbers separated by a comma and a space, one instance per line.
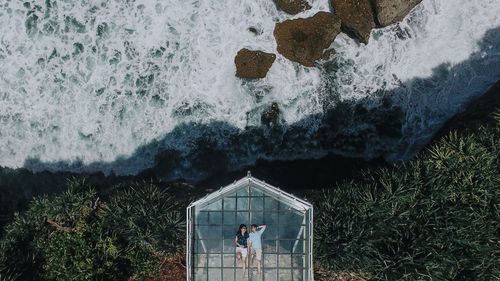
[286, 242]
[269, 190]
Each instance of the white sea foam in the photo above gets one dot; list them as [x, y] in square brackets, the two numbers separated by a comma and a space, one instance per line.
[93, 81]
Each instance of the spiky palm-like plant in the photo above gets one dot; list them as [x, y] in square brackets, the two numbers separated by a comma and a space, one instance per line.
[434, 218]
[149, 220]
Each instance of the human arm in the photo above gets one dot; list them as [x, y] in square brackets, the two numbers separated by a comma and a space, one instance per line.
[262, 228]
[236, 241]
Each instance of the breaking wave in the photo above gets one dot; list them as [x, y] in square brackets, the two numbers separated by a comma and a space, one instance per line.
[86, 84]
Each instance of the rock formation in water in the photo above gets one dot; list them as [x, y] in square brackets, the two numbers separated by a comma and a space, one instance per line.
[392, 11]
[271, 115]
[292, 7]
[304, 40]
[253, 64]
[357, 18]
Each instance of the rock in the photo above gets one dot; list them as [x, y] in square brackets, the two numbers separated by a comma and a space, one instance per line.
[255, 31]
[292, 7]
[328, 55]
[303, 40]
[271, 115]
[253, 64]
[357, 18]
[392, 11]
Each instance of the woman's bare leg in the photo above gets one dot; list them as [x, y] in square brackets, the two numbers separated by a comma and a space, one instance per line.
[238, 258]
[244, 266]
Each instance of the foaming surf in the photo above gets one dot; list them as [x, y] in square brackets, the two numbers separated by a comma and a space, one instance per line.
[95, 82]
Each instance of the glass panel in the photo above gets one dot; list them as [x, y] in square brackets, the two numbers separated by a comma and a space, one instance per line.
[214, 260]
[239, 273]
[200, 274]
[269, 260]
[270, 203]
[255, 192]
[229, 204]
[199, 247]
[201, 217]
[270, 218]
[257, 218]
[242, 217]
[200, 260]
[242, 192]
[209, 232]
[214, 206]
[213, 246]
[289, 232]
[270, 274]
[229, 275]
[298, 248]
[257, 203]
[298, 261]
[271, 231]
[215, 218]
[285, 261]
[242, 204]
[214, 274]
[269, 246]
[230, 218]
[298, 275]
[292, 217]
[229, 232]
[286, 246]
[229, 260]
[229, 246]
[285, 275]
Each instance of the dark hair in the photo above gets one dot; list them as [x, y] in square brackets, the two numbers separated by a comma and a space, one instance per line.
[241, 226]
[254, 225]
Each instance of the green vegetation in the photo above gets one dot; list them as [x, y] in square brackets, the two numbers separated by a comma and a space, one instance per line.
[78, 236]
[434, 218]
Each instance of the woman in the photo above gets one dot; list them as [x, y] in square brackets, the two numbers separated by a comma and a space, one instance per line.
[242, 244]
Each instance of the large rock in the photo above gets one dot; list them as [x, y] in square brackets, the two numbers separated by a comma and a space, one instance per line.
[253, 64]
[292, 7]
[357, 17]
[303, 40]
[392, 11]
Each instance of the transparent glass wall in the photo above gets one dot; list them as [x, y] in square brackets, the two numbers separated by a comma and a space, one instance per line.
[284, 245]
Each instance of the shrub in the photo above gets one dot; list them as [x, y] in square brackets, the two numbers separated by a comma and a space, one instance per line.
[77, 236]
[435, 218]
[149, 221]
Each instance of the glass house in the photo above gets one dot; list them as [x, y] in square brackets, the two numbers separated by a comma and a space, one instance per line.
[213, 222]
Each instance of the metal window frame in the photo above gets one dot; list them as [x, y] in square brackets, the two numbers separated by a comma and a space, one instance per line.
[289, 200]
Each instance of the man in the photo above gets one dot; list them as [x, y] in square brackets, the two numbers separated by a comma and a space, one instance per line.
[256, 244]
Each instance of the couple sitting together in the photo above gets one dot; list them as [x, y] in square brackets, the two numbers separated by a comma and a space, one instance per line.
[249, 243]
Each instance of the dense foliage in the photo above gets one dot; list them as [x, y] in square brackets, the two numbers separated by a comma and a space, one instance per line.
[434, 218]
[78, 236]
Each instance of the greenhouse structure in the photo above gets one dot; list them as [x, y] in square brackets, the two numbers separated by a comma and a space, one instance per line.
[287, 242]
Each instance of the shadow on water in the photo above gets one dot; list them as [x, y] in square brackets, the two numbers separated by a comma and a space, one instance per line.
[216, 153]
[194, 152]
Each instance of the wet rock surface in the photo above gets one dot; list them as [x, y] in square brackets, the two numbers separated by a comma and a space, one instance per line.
[304, 40]
[292, 7]
[357, 18]
[253, 64]
[392, 11]
[271, 115]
